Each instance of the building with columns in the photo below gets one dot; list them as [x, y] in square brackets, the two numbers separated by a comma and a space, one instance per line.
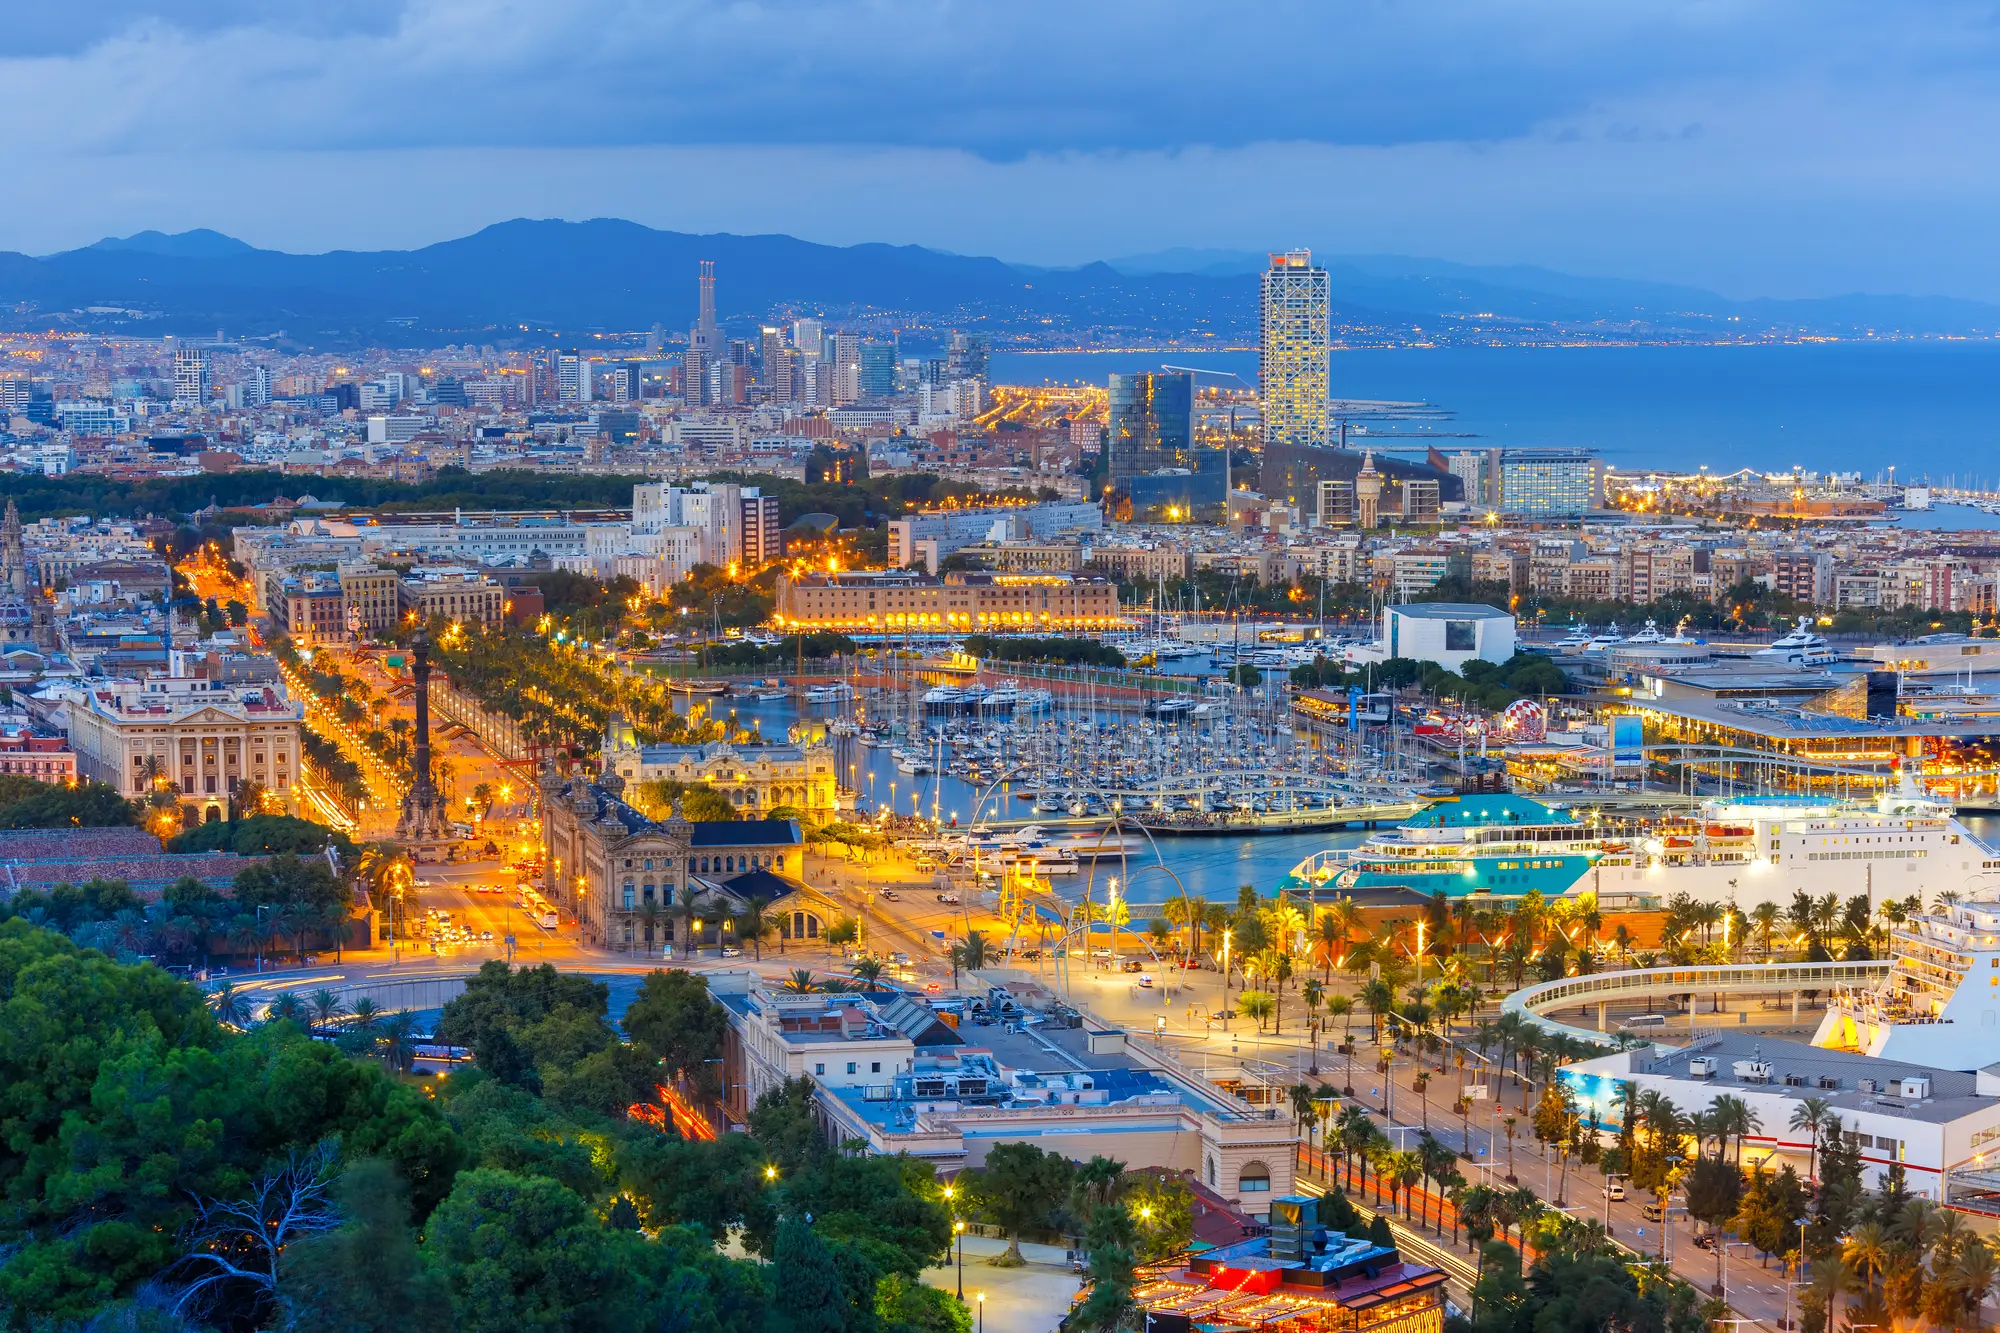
[657, 886]
[753, 778]
[209, 737]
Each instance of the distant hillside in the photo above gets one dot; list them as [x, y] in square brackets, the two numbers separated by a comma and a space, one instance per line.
[588, 276]
[532, 280]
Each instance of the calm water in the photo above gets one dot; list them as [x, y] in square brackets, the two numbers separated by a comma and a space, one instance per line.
[1929, 408]
[1211, 868]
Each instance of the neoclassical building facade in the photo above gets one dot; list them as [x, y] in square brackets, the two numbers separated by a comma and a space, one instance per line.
[753, 778]
[638, 884]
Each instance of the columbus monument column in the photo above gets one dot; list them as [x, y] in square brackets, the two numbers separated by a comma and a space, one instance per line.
[423, 813]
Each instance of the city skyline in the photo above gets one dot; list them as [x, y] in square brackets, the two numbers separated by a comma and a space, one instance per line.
[1776, 151]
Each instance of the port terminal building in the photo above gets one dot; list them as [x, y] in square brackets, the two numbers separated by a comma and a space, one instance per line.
[1940, 1125]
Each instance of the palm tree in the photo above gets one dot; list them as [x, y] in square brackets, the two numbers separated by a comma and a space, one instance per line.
[286, 1008]
[1405, 1169]
[1301, 1098]
[800, 982]
[482, 792]
[1438, 1162]
[753, 924]
[1734, 1119]
[1813, 1114]
[396, 1040]
[326, 1005]
[366, 1015]
[229, 1006]
[1335, 928]
[249, 798]
[868, 971]
[1867, 1250]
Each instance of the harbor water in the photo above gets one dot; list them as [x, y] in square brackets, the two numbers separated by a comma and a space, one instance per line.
[1208, 867]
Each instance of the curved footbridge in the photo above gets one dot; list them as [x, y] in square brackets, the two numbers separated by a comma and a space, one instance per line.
[1606, 988]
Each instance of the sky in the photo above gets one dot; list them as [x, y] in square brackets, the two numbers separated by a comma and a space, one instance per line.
[1782, 148]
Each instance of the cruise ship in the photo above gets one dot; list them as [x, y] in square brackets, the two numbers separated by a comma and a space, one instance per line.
[1741, 852]
[1939, 1005]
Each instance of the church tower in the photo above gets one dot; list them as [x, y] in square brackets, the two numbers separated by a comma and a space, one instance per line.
[13, 555]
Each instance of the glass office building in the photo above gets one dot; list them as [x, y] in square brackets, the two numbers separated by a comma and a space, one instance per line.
[1151, 423]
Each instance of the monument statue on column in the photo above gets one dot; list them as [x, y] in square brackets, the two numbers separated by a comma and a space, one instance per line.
[423, 811]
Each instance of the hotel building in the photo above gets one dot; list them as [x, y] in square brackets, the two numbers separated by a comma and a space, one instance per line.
[895, 601]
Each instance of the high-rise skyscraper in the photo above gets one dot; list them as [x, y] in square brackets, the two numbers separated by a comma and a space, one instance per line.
[1151, 423]
[846, 367]
[807, 335]
[878, 369]
[705, 347]
[190, 378]
[573, 378]
[965, 358]
[1292, 375]
[257, 386]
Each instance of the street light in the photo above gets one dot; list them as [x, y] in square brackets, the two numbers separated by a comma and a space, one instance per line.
[982, 1312]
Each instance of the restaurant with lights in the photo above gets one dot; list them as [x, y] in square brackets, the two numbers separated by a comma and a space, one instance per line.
[1301, 1276]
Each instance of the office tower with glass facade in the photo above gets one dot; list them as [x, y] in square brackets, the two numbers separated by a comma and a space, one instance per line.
[878, 369]
[1292, 374]
[1151, 423]
[1550, 483]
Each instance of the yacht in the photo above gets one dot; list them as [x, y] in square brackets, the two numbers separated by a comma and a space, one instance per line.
[1650, 634]
[1801, 647]
[1605, 642]
[1576, 640]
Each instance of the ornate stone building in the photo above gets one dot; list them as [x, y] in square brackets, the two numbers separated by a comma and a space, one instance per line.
[25, 617]
[639, 884]
[754, 778]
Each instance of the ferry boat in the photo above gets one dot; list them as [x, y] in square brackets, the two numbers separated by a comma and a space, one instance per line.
[1740, 852]
[1937, 1005]
[1801, 647]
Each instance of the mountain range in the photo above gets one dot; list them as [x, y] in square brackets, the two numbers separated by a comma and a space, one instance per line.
[528, 279]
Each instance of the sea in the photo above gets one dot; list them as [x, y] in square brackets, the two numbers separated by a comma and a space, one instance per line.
[1928, 409]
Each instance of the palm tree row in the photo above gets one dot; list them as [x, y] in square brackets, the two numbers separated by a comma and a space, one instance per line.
[389, 1037]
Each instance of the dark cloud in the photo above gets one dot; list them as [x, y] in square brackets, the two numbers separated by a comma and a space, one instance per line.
[997, 79]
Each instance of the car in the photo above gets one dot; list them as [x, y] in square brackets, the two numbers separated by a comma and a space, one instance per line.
[728, 952]
[486, 936]
[1132, 965]
[1705, 1241]
[933, 987]
[900, 959]
[891, 896]
[948, 899]
[1653, 1212]
[1146, 981]
[1615, 1191]
[1100, 953]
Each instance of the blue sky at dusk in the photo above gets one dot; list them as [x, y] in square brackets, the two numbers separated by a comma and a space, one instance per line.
[1784, 148]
